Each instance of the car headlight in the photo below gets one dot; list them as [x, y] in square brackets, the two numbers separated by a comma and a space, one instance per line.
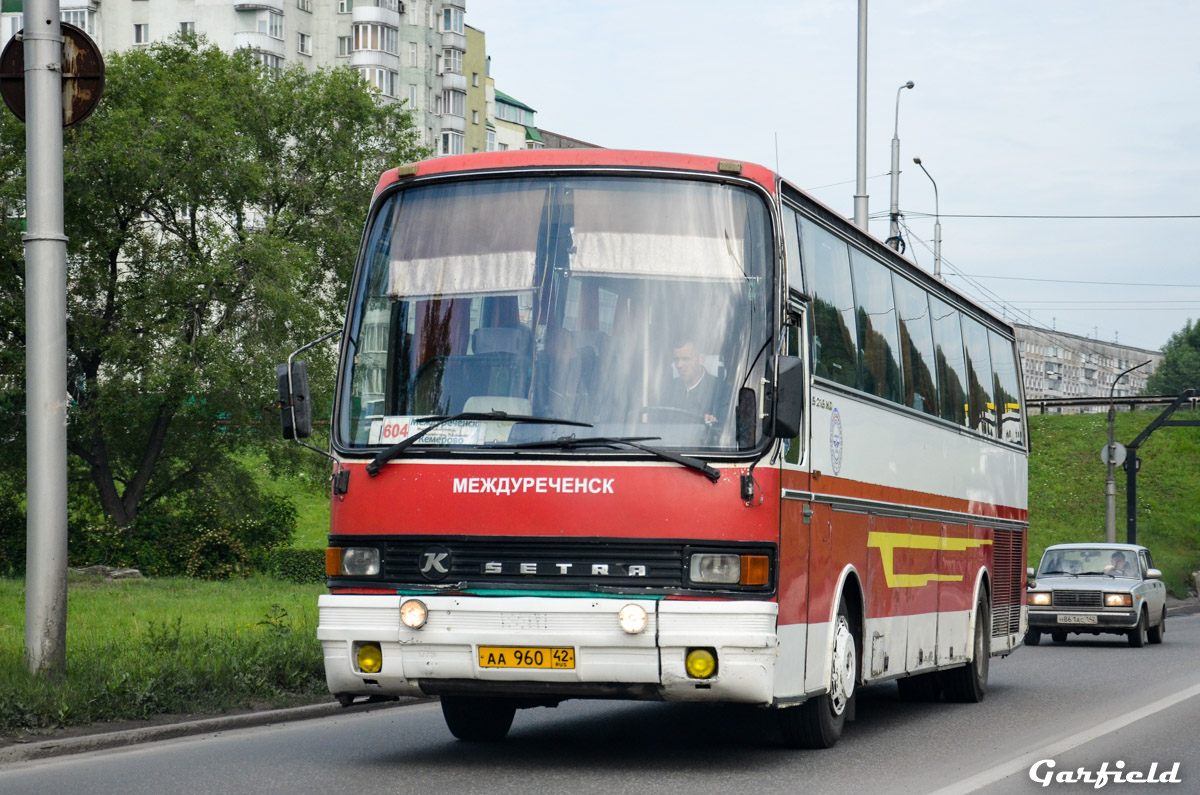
[1118, 600]
[1038, 598]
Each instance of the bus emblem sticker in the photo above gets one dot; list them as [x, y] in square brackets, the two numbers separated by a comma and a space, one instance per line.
[435, 562]
[835, 441]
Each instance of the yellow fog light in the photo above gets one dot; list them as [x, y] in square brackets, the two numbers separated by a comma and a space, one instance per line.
[632, 618]
[701, 663]
[1118, 600]
[369, 658]
[413, 613]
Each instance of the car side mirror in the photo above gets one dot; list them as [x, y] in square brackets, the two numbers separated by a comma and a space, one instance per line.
[295, 402]
[783, 402]
[1153, 574]
[1030, 573]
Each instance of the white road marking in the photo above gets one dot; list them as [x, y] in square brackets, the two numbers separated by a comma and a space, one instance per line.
[1023, 763]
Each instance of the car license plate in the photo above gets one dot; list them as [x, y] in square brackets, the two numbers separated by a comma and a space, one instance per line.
[526, 657]
[1077, 619]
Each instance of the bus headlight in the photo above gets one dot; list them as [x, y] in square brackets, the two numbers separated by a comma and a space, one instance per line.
[715, 568]
[352, 561]
[632, 618]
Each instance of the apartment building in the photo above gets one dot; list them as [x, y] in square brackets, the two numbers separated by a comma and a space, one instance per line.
[1055, 364]
[412, 50]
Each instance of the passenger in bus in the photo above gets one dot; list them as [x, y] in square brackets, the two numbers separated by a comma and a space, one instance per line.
[1118, 567]
[696, 389]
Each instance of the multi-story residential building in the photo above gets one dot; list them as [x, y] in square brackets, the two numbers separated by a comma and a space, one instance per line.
[516, 125]
[411, 50]
[1060, 365]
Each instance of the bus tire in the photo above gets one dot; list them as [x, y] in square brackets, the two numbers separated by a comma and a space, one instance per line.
[478, 720]
[818, 722]
[968, 684]
[1033, 637]
[922, 687]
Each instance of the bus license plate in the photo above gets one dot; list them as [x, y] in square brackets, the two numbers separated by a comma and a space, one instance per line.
[1077, 619]
[526, 657]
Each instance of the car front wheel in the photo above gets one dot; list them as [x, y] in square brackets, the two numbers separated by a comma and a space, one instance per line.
[1137, 635]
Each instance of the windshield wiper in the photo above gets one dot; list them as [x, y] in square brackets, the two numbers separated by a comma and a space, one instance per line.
[395, 450]
[1050, 573]
[572, 443]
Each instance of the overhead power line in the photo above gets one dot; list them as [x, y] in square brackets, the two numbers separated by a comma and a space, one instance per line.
[1070, 281]
[1117, 217]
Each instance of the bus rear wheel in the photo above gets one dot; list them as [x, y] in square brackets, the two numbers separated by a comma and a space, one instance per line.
[968, 685]
[478, 720]
[818, 722]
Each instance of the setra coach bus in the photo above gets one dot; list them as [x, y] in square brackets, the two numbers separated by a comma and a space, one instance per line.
[635, 425]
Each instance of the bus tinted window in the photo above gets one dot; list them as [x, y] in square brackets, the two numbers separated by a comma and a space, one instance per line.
[916, 347]
[834, 334]
[1008, 388]
[878, 336]
[981, 406]
[951, 364]
[791, 241]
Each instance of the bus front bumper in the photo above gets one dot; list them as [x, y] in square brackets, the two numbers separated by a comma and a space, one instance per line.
[466, 640]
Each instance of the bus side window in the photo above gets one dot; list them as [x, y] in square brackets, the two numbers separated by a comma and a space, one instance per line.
[878, 336]
[982, 414]
[834, 330]
[1008, 389]
[951, 362]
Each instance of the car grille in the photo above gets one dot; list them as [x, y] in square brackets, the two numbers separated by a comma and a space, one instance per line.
[1078, 599]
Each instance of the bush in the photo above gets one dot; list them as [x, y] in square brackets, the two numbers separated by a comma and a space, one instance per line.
[297, 565]
[12, 537]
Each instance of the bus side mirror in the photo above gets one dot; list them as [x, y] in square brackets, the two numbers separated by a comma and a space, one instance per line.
[295, 404]
[783, 403]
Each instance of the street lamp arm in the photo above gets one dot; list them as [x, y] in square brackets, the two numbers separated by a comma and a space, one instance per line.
[1112, 389]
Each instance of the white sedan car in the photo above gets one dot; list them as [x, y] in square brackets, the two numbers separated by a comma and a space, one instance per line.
[1094, 589]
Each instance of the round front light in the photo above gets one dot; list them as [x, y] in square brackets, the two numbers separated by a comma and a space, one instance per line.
[632, 618]
[413, 614]
[369, 658]
[700, 663]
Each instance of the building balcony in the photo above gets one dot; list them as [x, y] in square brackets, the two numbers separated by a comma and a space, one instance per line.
[258, 42]
[377, 58]
[459, 4]
[258, 5]
[383, 16]
[454, 41]
[456, 123]
[454, 82]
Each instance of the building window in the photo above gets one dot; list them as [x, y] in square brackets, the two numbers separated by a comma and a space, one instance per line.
[453, 143]
[304, 43]
[382, 80]
[502, 148]
[475, 79]
[345, 44]
[273, 63]
[452, 61]
[304, 5]
[452, 20]
[187, 28]
[376, 37]
[474, 117]
[412, 96]
[454, 103]
[141, 33]
[271, 23]
[412, 54]
[491, 140]
[345, 6]
[82, 19]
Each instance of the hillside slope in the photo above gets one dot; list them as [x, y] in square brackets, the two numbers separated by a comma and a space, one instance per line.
[1066, 487]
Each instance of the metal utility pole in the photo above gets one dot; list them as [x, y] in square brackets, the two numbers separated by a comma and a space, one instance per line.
[937, 223]
[894, 228]
[1133, 464]
[1110, 458]
[46, 345]
[860, 183]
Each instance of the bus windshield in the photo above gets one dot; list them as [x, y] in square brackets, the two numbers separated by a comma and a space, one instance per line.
[640, 306]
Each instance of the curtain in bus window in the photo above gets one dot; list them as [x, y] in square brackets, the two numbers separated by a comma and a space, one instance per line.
[1008, 389]
[671, 228]
[878, 336]
[951, 363]
[835, 335]
[916, 346]
[446, 241]
[981, 405]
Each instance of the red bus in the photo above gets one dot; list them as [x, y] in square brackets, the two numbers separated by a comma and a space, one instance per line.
[635, 425]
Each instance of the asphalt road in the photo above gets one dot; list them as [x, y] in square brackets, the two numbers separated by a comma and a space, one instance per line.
[1082, 705]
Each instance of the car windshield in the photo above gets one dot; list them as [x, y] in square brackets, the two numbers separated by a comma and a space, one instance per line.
[639, 307]
[1089, 562]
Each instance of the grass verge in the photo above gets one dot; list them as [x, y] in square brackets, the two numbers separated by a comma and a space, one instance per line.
[141, 648]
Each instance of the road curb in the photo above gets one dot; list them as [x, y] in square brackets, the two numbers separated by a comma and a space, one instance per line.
[44, 749]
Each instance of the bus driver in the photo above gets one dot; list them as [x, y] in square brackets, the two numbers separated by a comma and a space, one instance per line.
[697, 390]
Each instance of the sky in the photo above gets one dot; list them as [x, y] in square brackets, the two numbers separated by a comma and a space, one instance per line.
[1020, 108]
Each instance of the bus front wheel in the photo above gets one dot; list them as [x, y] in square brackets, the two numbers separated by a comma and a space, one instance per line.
[818, 722]
[968, 684]
[478, 720]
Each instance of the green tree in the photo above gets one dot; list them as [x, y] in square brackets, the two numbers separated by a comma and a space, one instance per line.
[1180, 367]
[213, 212]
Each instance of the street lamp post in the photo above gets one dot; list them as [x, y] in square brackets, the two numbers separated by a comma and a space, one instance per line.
[937, 223]
[894, 230]
[1110, 483]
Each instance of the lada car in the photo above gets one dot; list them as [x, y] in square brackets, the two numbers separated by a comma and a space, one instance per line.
[1094, 589]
